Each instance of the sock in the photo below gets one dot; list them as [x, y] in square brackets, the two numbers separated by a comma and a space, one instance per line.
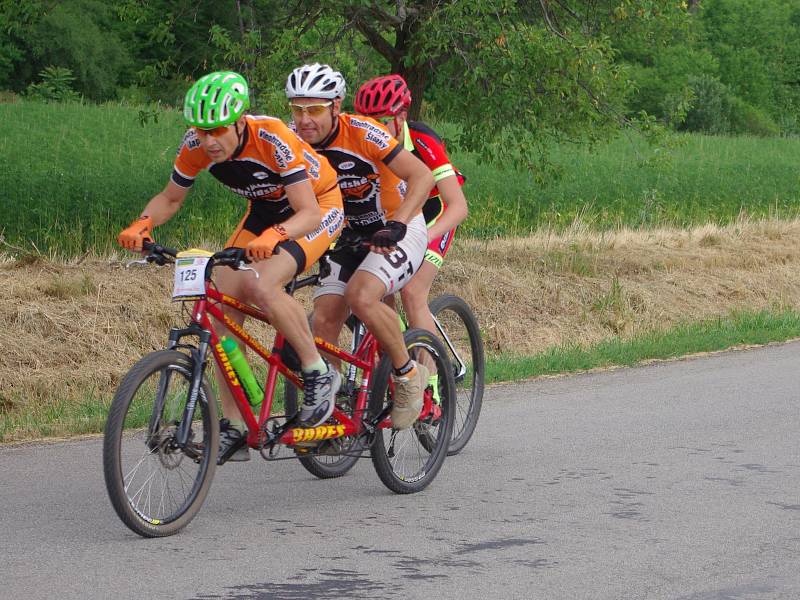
[317, 366]
[406, 369]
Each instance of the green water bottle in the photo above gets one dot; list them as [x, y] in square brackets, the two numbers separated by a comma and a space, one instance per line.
[239, 363]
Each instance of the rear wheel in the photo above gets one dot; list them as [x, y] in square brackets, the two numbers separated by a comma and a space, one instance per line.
[459, 330]
[331, 458]
[408, 460]
[155, 486]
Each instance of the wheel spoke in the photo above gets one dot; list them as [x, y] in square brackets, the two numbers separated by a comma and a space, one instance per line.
[165, 482]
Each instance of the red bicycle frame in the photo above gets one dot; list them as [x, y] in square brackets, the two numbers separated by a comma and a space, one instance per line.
[365, 358]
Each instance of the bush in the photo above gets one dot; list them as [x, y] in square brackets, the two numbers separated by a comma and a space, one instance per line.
[56, 86]
[746, 118]
[709, 107]
[716, 110]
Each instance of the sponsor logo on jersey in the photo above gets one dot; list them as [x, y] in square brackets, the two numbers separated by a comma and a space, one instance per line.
[190, 140]
[357, 178]
[357, 188]
[313, 164]
[420, 144]
[375, 134]
[264, 191]
[365, 219]
[380, 141]
[283, 153]
[332, 221]
[249, 178]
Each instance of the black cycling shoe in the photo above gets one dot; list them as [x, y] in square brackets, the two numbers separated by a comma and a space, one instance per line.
[231, 444]
[319, 393]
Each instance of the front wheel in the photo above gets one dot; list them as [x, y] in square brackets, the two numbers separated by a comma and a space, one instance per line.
[408, 460]
[155, 486]
[459, 330]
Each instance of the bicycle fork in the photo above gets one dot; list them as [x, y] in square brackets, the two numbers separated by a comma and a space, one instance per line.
[198, 359]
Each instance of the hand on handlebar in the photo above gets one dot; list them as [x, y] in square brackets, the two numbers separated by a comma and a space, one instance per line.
[264, 245]
[133, 236]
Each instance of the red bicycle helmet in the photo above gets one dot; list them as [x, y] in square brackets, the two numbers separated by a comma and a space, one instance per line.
[383, 96]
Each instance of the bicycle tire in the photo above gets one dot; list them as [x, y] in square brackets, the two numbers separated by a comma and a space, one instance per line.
[134, 404]
[326, 466]
[387, 460]
[470, 385]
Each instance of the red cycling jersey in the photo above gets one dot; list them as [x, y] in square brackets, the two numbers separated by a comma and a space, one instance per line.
[425, 144]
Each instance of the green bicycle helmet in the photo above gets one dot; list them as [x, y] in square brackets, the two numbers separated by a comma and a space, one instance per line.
[216, 100]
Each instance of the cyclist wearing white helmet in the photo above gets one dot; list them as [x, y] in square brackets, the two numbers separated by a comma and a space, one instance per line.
[291, 191]
[315, 81]
[384, 187]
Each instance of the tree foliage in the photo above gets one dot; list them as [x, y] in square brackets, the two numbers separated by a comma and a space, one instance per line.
[512, 73]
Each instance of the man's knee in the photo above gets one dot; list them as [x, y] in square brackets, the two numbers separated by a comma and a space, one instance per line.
[264, 294]
[414, 299]
[329, 316]
[360, 299]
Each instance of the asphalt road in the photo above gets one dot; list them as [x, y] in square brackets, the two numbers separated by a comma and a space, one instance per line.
[675, 480]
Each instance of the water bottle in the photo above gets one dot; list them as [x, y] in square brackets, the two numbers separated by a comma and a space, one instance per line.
[252, 390]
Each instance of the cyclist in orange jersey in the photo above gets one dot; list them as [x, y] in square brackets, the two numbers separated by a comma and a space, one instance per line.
[294, 213]
[384, 187]
[388, 99]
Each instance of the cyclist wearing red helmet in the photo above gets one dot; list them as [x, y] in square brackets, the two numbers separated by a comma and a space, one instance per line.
[388, 99]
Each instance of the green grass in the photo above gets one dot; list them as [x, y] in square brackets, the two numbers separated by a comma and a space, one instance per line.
[626, 183]
[740, 328]
[62, 418]
[74, 175]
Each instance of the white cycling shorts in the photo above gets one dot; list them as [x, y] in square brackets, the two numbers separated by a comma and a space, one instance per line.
[394, 269]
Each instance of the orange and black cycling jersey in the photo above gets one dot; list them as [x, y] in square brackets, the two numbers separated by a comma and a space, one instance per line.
[426, 145]
[359, 149]
[269, 158]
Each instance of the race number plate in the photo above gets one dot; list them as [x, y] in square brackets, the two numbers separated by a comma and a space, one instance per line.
[190, 270]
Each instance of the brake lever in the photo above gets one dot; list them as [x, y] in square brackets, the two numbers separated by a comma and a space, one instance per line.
[141, 261]
[150, 258]
[242, 266]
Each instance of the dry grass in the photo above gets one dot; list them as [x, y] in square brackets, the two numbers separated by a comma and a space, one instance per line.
[583, 286]
[69, 331]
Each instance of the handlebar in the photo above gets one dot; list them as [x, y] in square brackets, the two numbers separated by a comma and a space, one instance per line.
[236, 258]
[161, 255]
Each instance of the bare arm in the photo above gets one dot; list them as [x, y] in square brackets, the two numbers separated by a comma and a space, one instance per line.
[166, 203]
[306, 216]
[456, 210]
[420, 181]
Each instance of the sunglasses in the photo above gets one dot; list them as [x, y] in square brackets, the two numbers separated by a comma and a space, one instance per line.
[215, 132]
[313, 110]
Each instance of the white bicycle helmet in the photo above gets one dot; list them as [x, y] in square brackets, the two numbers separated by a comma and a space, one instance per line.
[315, 81]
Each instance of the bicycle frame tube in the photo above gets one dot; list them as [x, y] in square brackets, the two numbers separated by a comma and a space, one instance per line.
[462, 368]
[365, 358]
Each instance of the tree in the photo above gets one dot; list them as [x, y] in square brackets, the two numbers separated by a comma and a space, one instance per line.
[512, 73]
